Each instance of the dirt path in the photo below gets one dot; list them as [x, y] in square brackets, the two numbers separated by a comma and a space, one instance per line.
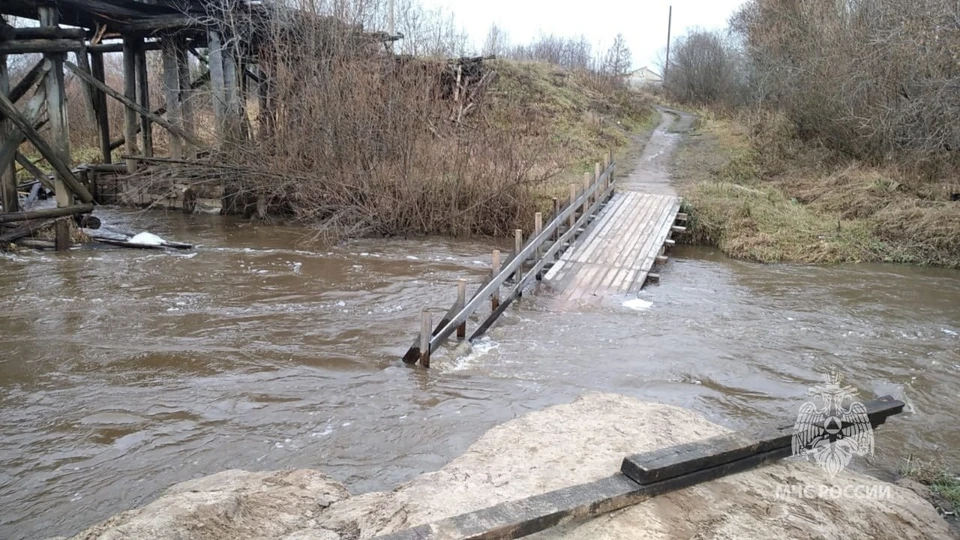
[651, 172]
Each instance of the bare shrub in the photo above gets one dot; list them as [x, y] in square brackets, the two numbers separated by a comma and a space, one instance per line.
[705, 70]
[871, 78]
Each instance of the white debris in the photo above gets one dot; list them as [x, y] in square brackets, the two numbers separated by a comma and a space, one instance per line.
[147, 239]
[637, 304]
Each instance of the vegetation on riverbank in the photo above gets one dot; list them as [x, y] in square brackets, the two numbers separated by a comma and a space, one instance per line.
[833, 137]
[758, 192]
[944, 487]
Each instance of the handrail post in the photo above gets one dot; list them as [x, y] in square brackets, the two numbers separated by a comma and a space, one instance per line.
[426, 323]
[573, 198]
[517, 246]
[556, 212]
[461, 301]
[586, 188]
[494, 270]
[537, 229]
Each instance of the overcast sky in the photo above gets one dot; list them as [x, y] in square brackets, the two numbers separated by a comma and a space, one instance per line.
[643, 23]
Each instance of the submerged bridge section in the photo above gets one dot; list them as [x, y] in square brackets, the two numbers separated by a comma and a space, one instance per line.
[603, 244]
[619, 251]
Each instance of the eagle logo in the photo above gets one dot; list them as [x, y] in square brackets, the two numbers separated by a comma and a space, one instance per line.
[833, 427]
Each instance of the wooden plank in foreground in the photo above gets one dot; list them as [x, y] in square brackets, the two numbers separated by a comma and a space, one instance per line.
[678, 460]
[516, 519]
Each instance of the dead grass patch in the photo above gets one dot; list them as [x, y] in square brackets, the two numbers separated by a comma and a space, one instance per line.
[757, 193]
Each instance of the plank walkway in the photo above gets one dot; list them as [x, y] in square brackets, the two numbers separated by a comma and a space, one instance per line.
[616, 255]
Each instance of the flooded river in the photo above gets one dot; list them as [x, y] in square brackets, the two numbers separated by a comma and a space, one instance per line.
[125, 371]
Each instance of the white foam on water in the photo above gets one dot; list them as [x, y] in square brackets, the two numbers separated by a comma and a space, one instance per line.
[468, 354]
[638, 304]
[147, 239]
[948, 332]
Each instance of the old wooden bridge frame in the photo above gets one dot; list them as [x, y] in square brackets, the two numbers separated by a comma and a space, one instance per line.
[540, 250]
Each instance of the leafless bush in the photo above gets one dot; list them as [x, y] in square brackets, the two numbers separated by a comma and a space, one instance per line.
[874, 79]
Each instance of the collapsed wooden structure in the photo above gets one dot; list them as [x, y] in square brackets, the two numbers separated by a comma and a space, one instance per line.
[228, 54]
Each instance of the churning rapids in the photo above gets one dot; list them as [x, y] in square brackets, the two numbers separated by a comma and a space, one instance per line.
[126, 371]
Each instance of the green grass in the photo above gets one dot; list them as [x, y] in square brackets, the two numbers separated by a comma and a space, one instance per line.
[939, 480]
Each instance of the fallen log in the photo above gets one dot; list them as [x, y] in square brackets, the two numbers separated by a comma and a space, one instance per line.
[46, 213]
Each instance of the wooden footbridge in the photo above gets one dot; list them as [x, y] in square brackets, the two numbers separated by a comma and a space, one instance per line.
[604, 243]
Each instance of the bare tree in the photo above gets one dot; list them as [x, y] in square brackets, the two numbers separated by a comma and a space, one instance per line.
[496, 43]
[618, 61]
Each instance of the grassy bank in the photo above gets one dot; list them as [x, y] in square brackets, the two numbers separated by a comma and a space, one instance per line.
[757, 193]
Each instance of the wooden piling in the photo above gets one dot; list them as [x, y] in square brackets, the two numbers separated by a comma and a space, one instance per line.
[57, 117]
[100, 99]
[573, 215]
[171, 92]
[215, 57]
[231, 90]
[426, 326]
[143, 98]
[130, 92]
[8, 177]
[186, 96]
[62, 234]
[494, 270]
[461, 301]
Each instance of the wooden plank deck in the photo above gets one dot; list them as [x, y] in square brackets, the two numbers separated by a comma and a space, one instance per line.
[616, 255]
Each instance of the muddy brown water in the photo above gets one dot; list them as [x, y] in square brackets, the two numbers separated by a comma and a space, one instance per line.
[123, 371]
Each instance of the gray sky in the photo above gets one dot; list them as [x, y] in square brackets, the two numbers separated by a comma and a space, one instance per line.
[643, 23]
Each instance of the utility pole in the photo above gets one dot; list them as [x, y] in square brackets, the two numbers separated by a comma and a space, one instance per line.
[392, 28]
[666, 65]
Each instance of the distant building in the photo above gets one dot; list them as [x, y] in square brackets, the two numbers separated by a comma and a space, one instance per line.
[644, 77]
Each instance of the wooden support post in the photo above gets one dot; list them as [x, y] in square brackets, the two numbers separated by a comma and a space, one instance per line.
[171, 92]
[59, 129]
[614, 163]
[215, 57]
[231, 90]
[426, 325]
[587, 178]
[62, 231]
[596, 171]
[517, 246]
[130, 92]
[8, 176]
[143, 98]
[573, 215]
[89, 93]
[461, 301]
[100, 100]
[494, 270]
[186, 96]
[556, 212]
[265, 117]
